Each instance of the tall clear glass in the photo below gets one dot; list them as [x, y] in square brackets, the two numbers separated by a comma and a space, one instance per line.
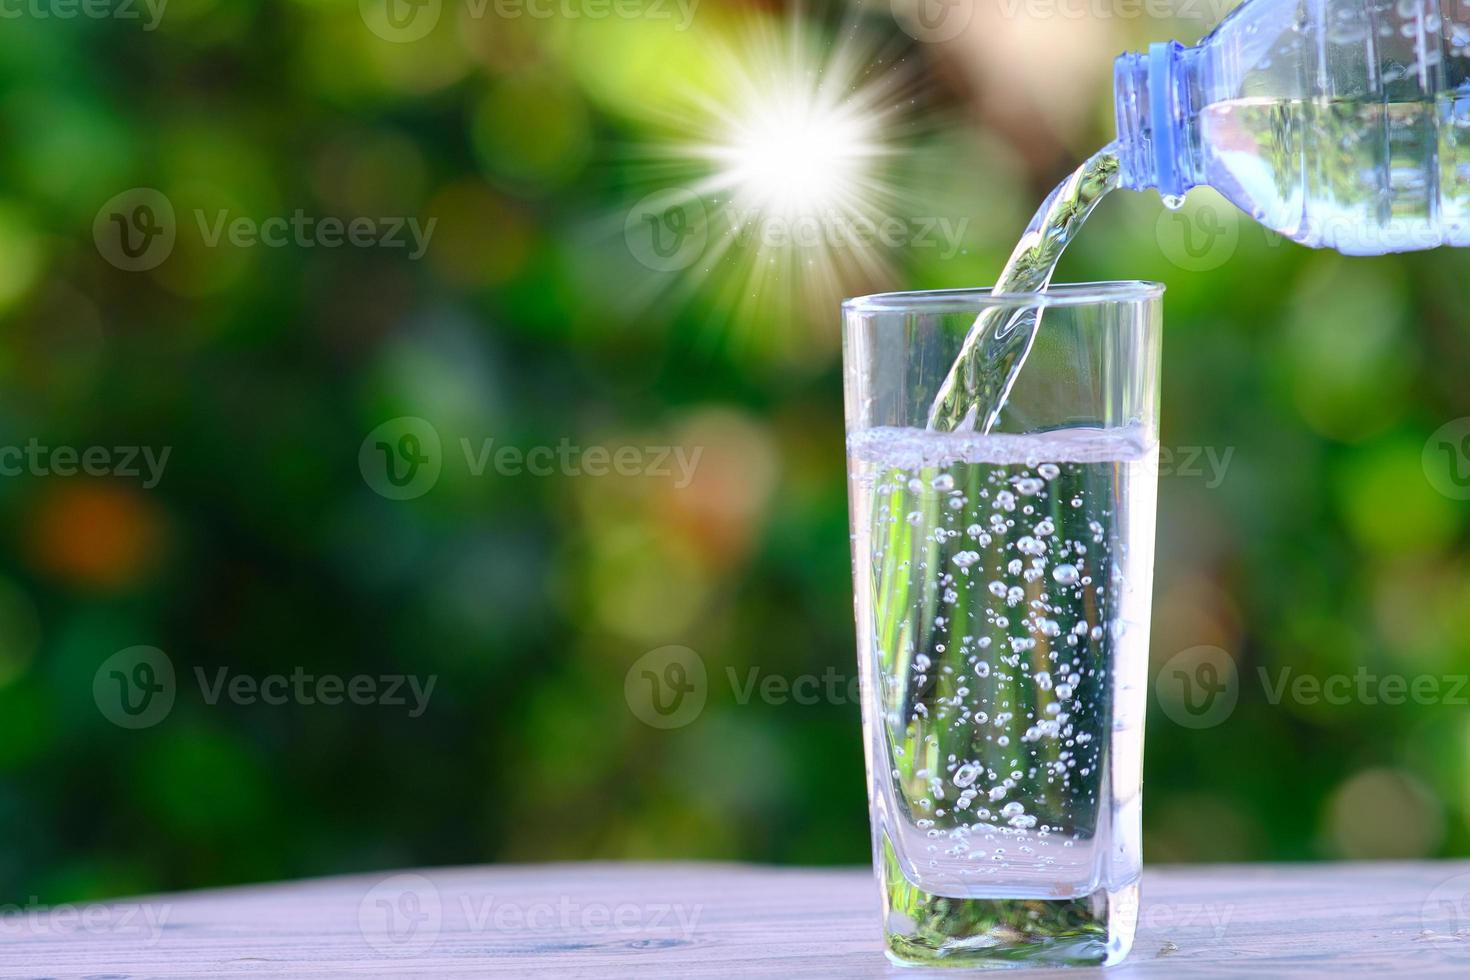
[1003, 588]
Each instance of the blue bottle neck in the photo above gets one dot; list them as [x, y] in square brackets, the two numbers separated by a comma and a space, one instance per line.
[1155, 98]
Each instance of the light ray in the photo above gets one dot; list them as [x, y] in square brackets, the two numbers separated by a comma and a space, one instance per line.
[789, 159]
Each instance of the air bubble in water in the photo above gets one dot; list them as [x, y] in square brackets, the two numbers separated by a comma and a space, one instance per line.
[1065, 574]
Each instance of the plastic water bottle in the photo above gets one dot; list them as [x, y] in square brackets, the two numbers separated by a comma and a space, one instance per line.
[1338, 123]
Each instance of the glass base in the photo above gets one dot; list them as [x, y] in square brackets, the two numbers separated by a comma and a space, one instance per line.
[921, 929]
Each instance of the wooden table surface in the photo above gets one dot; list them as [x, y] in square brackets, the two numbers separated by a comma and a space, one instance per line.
[721, 920]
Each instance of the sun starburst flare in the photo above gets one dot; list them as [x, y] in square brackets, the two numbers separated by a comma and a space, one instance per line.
[781, 169]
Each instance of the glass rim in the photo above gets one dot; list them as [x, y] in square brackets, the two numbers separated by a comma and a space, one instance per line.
[974, 299]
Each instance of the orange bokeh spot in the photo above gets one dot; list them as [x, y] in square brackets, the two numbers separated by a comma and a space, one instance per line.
[95, 535]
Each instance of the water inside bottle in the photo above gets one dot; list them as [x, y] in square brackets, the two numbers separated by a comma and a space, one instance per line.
[1364, 177]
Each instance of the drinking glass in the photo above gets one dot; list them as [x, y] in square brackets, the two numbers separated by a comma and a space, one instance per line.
[1002, 587]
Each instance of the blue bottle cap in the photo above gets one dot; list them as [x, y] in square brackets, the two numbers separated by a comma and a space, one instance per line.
[1161, 56]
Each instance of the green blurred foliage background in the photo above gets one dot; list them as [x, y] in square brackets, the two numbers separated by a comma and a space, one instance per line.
[1322, 546]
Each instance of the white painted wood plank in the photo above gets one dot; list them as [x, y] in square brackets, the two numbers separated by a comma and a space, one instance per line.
[719, 920]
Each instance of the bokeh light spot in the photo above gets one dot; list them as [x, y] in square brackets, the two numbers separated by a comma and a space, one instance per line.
[96, 535]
